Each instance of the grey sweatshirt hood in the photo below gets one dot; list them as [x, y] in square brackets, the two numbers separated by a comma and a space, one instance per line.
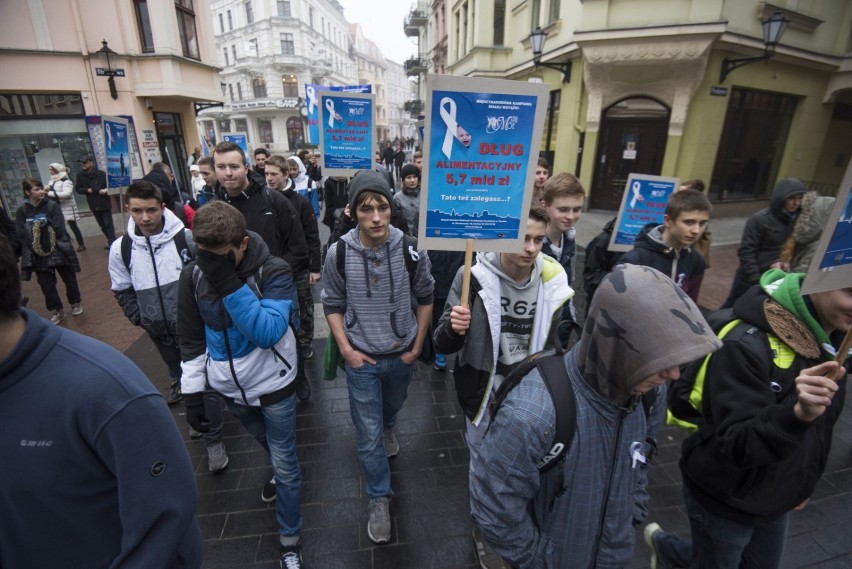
[492, 261]
[639, 324]
[389, 246]
[786, 188]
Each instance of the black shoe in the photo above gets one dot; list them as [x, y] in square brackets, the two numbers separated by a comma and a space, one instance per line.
[174, 394]
[303, 389]
[269, 491]
[291, 557]
[307, 353]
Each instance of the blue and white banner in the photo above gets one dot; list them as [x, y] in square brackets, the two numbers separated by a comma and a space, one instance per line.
[481, 143]
[831, 268]
[644, 201]
[347, 132]
[312, 103]
[116, 145]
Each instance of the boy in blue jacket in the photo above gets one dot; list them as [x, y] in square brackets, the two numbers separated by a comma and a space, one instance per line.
[236, 335]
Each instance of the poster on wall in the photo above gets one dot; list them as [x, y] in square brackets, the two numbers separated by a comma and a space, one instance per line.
[240, 140]
[831, 266]
[481, 143]
[150, 146]
[116, 150]
[347, 123]
[312, 104]
[644, 201]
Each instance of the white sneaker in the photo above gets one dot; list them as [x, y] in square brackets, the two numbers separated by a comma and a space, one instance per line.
[57, 316]
[76, 309]
[649, 532]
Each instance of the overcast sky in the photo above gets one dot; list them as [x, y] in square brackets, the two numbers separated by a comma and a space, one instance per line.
[381, 22]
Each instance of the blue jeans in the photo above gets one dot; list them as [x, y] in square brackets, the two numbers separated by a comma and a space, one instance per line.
[274, 427]
[720, 543]
[376, 394]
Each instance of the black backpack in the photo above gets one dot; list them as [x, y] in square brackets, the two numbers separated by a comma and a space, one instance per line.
[186, 252]
[551, 366]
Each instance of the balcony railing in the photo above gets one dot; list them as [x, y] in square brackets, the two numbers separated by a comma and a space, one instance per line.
[417, 18]
[416, 66]
[414, 107]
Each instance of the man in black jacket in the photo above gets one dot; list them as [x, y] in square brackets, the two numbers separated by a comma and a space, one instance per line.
[269, 214]
[768, 413]
[764, 235]
[92, 183]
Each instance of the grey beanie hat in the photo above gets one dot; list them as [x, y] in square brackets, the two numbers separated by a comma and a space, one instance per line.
[368, 180]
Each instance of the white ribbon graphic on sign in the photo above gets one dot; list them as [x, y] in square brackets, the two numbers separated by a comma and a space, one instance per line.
[312, 98]
[449, 118]
[329, 105]
[637, 197]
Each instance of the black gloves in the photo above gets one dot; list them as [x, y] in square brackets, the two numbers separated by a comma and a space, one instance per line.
[195, 415]
[220, 270]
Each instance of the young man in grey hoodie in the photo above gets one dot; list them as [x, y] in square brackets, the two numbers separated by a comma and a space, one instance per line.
[641, 327]
[379, 318]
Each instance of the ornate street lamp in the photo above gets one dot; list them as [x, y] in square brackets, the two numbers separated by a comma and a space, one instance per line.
[110, 73]
[537, 42]
[773, 29]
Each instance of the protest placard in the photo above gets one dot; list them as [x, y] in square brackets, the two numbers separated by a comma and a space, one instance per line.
[312, 104]
[347, 132]
[644, 201]
[116, 145]
[831, 266]
[481, 142]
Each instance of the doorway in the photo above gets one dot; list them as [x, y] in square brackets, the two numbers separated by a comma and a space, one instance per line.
[632, 139]
[172, 147]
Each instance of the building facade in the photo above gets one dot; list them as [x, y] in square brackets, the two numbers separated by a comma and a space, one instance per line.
[268, 50]
[57, 83]
[636, 86]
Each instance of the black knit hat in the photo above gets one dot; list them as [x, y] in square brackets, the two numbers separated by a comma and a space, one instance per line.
[410, 170]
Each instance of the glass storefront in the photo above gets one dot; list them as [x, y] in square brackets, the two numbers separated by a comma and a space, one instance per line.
[35, 131]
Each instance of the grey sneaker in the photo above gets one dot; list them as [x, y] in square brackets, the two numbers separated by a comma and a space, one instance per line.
[57, 316]
[269, 492]
[391, 444]
[195, 435]
[217, 458]
[76, 309]
[379, 526]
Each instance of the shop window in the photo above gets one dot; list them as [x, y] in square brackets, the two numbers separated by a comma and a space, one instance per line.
[752, 144]
[224, 125]
[240, 125]
[143, 22]
[186, 28]
[259, 87]
[264, 128]
[209, 132]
